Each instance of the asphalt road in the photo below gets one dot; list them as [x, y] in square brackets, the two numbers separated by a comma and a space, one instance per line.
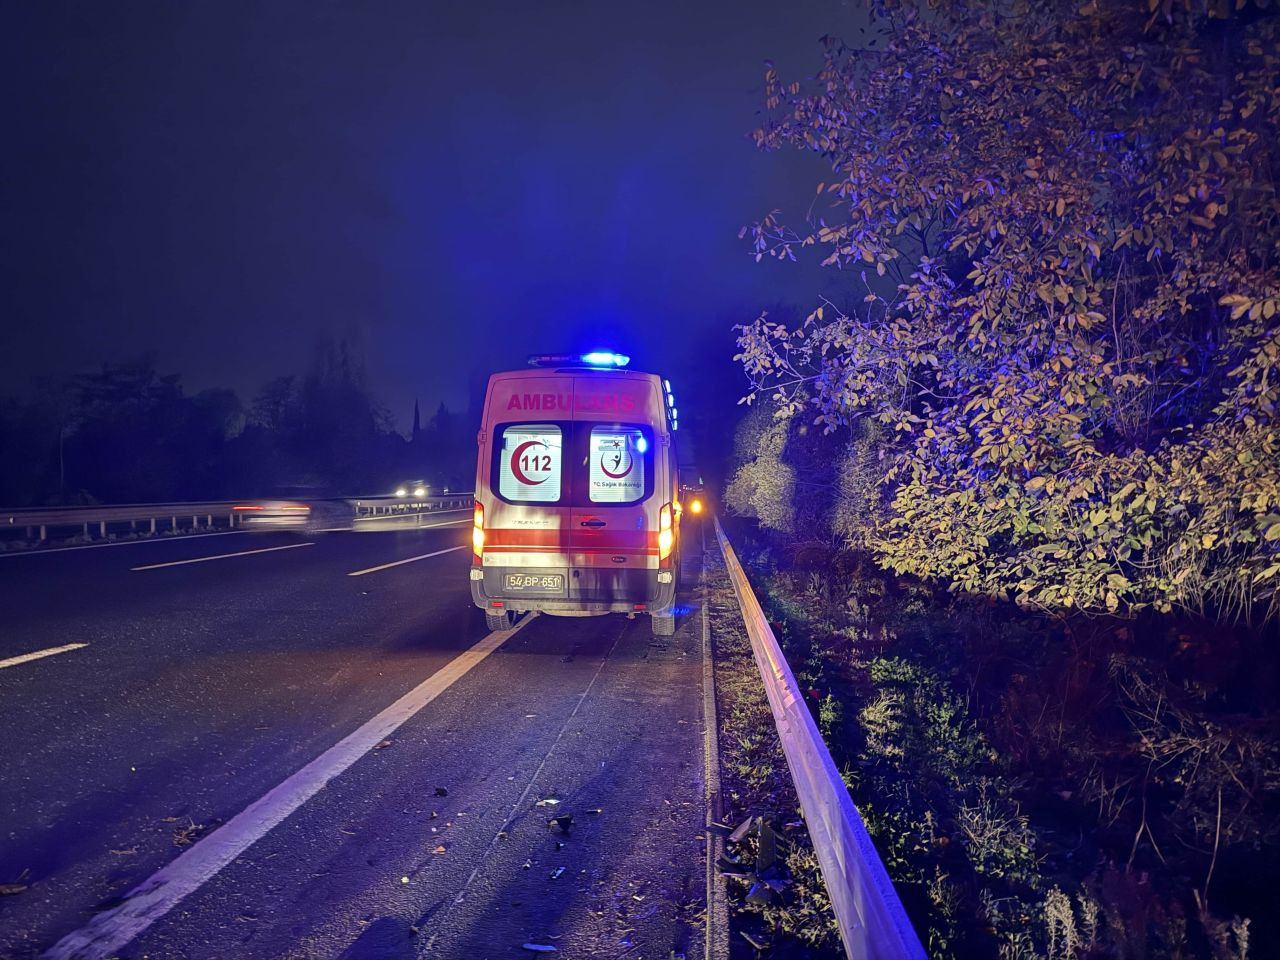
[261, 755]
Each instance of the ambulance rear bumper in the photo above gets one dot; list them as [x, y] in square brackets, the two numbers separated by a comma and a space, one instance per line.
[586, 590]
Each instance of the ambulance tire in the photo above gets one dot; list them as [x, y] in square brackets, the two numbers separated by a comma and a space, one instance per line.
[498, 621]
[663, 624]
[685, 576]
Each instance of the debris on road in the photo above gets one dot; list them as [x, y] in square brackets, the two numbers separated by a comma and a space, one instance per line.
[185, 836]
[753, 941]
[561, 823]
[442, 792]
[557, 873]
[404, 879]
[439, 849]
[547, 802]
[767, 851]
[383, 745]
[11, 889]
[539, 948]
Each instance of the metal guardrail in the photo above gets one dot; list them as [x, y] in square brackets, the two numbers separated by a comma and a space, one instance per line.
[376, 506]
[872, 922]
[170, 516]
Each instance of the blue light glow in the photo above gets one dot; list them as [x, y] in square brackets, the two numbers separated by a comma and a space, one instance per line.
[604, 358]
[667, 384]
[675, 414]
[641, 444]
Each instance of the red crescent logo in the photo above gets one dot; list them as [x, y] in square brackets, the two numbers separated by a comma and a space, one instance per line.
[515, 463]
[617, 476]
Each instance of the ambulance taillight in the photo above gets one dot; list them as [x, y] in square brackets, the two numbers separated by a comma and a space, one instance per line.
[477, 532]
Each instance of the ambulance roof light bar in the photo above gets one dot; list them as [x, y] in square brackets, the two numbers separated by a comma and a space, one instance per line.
[596, 358]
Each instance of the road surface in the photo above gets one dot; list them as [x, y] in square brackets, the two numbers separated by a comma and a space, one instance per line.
[310, 747]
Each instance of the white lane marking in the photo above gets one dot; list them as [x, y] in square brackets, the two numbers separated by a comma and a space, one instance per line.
[110, 930]
[40, 654]
[396, 563]
[397, 516]
[38, 551]
[222, 556]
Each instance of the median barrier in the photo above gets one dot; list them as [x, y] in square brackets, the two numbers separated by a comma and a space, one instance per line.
[97, 521]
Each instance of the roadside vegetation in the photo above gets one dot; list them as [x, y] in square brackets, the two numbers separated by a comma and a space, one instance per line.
[1039, 788]
[1014, 502]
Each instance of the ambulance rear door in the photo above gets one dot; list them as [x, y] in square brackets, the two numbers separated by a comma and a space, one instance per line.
[613, 516]
[527, 512]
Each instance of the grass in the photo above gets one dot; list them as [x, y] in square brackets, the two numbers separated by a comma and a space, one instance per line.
[1037, 789]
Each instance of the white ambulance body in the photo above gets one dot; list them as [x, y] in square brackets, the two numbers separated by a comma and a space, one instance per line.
[577, 493]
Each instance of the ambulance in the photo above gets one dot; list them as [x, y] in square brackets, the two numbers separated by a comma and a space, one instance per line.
[577, 509]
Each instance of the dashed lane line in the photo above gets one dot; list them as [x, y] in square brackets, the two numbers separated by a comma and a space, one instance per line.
[223, 556]
[40, 654]
[112, 929]
[397, 563]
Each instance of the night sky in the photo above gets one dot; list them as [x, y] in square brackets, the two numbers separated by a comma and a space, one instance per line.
[450, 187]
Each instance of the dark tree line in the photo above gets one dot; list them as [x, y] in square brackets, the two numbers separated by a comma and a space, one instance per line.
[127, 433]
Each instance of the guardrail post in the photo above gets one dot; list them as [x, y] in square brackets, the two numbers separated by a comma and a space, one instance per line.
[173, 523]
[102, 529]
[195, 523]
[153, 525]
[86, 531]
[44, 532]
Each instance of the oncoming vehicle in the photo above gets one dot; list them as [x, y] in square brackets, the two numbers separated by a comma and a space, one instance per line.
[577, 509]
[413, 488]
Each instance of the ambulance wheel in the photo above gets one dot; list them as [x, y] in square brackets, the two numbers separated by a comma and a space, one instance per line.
[498, 621]
[663, 624]
[685, 576]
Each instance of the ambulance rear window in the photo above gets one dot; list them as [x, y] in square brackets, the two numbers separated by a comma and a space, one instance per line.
[530, 463]
[618, 464]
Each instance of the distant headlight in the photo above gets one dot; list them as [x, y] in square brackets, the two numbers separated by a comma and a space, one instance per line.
[420, 492]
[401, 492]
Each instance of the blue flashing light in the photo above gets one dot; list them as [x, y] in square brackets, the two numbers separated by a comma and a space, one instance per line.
[675, 424]
[604, 358]
[641, 444]
[671, 399]
[667, 384]
[675, 414]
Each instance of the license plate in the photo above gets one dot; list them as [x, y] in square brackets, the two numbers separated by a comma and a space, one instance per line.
[533, 583]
